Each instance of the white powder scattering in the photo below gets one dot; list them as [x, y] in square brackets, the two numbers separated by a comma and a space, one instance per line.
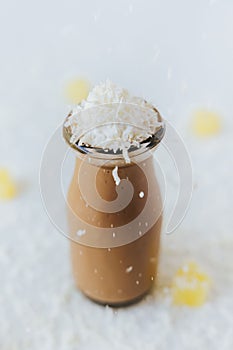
[81, 232]
[114, 235]
[116, 176]
[129, 269]
[141, 194]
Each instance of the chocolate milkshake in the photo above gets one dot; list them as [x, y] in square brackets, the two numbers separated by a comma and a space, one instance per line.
[115, 248]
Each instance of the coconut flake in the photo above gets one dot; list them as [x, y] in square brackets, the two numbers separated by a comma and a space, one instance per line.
[141, 194]
[129, 269]
[116, 176]
[81, 232]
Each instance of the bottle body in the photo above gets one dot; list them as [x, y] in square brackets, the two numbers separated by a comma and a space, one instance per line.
[116, 275]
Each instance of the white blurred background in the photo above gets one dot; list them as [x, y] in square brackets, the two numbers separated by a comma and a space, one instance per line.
[160, 49]
[179, 55]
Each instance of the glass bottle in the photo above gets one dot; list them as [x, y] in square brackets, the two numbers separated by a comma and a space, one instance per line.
[114, 218]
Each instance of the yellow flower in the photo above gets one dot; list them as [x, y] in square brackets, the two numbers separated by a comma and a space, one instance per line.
[7, 186]
[77, 90]
[206, 123]
[190, 286]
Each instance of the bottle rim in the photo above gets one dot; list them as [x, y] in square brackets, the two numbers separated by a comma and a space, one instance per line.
[133, 151]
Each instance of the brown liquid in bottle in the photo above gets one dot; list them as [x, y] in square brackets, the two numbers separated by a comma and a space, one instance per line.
[116, 275]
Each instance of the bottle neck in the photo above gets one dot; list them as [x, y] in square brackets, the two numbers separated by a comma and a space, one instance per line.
[111, 161]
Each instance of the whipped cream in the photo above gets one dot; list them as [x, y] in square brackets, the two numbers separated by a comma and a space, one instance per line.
[112, 119]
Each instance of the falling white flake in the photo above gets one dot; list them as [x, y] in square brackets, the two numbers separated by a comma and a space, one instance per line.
[125, 154]
[169, 73]
[116, 176]
[141, 194]
[156, 54]
[129, 269]
[185, 268]
[184, 87]
[97, 16]
[80, 233]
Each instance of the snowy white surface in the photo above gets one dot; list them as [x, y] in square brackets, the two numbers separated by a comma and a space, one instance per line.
[185, 65]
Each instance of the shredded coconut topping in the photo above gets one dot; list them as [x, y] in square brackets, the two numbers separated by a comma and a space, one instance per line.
[112, 119]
